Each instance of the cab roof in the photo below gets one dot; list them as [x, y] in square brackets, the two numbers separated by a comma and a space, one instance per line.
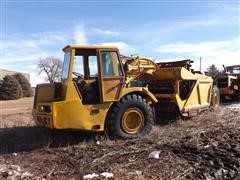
[75, 46]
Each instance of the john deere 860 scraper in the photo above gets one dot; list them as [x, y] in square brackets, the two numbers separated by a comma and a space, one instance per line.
[101, 90]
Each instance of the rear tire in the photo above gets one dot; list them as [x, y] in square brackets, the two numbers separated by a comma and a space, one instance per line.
[215, 97]
[131, 117]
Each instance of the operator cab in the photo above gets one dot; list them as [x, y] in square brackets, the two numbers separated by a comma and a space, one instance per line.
[85, 75]
[96, 73]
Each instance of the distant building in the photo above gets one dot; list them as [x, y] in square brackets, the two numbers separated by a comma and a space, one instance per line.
[4, 72]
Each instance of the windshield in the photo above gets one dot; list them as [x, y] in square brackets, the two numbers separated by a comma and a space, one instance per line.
[233, 69]
[66, 64]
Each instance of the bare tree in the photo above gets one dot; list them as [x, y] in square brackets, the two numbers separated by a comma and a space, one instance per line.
[52, 66]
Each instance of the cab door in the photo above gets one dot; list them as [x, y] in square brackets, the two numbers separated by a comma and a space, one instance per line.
[111, 75]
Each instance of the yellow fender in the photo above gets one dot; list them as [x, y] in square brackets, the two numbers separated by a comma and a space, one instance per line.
[144, 90]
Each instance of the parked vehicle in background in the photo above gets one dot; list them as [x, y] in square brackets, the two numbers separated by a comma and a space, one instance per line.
[229, 83]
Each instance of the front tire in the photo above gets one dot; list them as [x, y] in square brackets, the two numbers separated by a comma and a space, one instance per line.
[131, 117]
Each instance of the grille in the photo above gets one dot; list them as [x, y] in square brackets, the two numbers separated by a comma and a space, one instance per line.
[43, 120]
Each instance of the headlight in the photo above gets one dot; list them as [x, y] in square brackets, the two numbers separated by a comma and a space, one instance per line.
[45, 108]
[42, 108]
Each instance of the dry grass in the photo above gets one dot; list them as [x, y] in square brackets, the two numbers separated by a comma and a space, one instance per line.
[16, 113]
[207, 146]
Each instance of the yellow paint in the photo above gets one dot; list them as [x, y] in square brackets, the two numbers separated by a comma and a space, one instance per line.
[200, 95]
[149, 96]
[73, 115]
[132, 120]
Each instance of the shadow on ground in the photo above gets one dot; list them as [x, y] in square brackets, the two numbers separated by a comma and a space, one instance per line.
[19, 139]
[163, 120]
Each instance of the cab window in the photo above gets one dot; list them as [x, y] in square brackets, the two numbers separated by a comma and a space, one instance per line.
[78, 65]
[66, 65]
[93, 66]
[110, 64]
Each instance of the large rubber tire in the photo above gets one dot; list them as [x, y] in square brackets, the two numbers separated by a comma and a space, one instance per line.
[215, 97]
[132, 109]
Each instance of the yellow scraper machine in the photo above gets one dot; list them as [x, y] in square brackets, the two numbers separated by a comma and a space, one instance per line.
[102, 90]
[229, 83]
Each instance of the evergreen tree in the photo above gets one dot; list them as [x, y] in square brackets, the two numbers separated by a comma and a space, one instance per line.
[10, 88]
[25, 84]
[213, 72]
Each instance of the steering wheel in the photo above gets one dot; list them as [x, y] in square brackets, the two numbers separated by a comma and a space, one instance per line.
[78, 75]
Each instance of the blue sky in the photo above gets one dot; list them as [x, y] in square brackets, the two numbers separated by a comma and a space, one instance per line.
[163, 30]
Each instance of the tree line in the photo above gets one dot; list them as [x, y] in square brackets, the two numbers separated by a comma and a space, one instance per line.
[14, 87]
[17, 86]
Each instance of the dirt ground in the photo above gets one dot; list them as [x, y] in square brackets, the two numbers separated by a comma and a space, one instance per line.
[15, 113]
[204, 147]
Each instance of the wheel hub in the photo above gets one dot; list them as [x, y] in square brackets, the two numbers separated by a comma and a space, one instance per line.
[132, 120]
